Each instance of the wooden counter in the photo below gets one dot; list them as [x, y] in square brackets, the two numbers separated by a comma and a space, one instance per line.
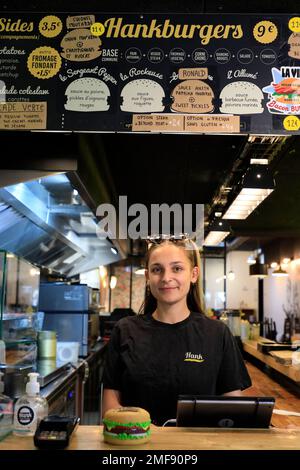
[171, 438]
[250, 346]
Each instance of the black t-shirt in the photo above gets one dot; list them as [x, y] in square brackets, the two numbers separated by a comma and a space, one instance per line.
[151, 362]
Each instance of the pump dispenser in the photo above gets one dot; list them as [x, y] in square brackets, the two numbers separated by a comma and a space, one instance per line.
[6, 411]
[30, 408]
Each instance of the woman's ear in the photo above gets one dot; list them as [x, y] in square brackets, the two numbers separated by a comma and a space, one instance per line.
[195, 274]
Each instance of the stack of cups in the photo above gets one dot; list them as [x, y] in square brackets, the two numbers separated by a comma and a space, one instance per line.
[47, 345]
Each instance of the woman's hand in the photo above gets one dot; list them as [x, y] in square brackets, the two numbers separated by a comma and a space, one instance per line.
[111, 399]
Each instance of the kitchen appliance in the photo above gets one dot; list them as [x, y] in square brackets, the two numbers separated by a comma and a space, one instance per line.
[67, 351]
[68, 311]
[224, 412]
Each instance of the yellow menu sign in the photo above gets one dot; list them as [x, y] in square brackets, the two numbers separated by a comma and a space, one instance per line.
[23, 115]
[202, 123]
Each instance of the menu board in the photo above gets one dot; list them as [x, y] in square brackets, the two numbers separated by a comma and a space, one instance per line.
[150, 73]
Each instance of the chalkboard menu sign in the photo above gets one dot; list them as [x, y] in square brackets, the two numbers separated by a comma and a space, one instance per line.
[150, 73]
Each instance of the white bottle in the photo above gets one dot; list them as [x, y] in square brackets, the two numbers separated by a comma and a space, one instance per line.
[30, 408]
[6, 411]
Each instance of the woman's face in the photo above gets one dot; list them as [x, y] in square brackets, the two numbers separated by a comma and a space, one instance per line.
[170, 274]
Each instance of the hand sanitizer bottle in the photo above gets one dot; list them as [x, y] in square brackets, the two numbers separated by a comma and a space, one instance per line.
[6, 412]
[30, 408]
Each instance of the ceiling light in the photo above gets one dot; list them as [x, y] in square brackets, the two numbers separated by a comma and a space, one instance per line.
[114, 250]
[258, 161]
[286, 260]
[257, 184]
[274, 265]
[218, 231]
[279, 272]
[258, 269]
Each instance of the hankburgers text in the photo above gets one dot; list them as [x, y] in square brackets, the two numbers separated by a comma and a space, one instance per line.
[114, 27]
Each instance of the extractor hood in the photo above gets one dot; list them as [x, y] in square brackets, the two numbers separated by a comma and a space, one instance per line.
[47, 222]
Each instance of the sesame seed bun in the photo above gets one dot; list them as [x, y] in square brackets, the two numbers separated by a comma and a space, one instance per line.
[126, 426]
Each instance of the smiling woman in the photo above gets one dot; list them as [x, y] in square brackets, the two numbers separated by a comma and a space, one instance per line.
[171, 348]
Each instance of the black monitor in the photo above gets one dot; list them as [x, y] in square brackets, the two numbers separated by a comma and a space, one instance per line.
[224, 411]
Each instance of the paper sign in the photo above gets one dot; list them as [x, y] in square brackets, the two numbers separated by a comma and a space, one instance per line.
[23, 115]
[185, 123]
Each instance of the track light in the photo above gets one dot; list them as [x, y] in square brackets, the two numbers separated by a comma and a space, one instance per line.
[257, 184]
[218, 231]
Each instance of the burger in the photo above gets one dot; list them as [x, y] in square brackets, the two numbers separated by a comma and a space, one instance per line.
[142, 96]
[287, 91]
[126, 426]
[241, 98]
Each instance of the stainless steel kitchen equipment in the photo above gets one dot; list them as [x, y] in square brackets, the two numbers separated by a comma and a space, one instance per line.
[68, 311]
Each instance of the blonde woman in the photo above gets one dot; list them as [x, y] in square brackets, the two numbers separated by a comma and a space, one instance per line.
[171, 348]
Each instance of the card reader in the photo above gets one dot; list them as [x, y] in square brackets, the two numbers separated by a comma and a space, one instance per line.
[54, 432]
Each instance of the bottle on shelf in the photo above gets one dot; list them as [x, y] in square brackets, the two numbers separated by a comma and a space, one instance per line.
[30, 408]
[6, 411]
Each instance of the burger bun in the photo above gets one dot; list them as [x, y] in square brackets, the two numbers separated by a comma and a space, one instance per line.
[126, 426]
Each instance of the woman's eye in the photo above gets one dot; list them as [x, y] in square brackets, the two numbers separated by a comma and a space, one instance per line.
[155, 270]
[177, 269]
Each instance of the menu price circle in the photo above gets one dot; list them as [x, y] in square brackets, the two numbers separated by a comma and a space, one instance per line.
[97, 29]
[294, 24]
[44, 62]
[291, 123]
[50, 26]
[265, 32]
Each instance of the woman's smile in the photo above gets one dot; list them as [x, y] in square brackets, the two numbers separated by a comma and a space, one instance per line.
[167, 288]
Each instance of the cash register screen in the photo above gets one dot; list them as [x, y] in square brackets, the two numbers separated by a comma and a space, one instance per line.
[224, 411]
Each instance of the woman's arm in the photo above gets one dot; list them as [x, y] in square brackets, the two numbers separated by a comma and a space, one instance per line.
[111, 399]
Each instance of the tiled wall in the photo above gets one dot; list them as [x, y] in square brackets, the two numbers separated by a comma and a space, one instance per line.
[120, 295]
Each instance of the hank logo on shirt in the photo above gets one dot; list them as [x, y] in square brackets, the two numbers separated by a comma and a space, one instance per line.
[190, 357]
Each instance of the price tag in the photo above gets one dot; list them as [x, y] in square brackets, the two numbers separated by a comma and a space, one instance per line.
[265, 32]
[291, 123]
[50, 26]
[294, 24]
[44, 62]
[97, 29]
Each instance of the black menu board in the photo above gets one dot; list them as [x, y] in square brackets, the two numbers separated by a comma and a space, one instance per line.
[150, 73]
